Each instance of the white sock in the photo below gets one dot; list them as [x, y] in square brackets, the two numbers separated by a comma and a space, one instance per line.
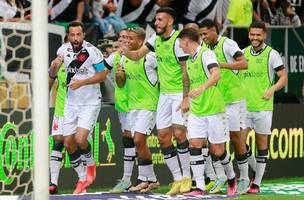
[151, 174]
[143, 169]
[171, 160]
[260, 166]
[77, 164]
[129, 158]
[184, 156]
[197, 166]
[227, 164]
[251, 159]
[218, 168]
[87, 153]
[242, 163]
[55, 164]
[209, 171]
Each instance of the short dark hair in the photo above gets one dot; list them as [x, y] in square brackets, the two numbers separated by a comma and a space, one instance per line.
[258, 24]
[168, 10]
[75, 24]
[208, 23]
[190, 33]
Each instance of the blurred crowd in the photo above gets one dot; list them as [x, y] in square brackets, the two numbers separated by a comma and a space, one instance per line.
[111, 16]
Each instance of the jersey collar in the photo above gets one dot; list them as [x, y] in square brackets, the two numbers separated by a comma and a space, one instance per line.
[259, 51]
[196, 53]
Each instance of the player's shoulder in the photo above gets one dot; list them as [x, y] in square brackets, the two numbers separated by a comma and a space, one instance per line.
[66, 47]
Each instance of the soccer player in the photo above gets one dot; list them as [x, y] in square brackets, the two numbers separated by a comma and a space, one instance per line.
[121, 105]
[171, 68]
[231, 60]
[56, 154]
[207, 118]
[263, 61]
[85, 69]
[141, 80]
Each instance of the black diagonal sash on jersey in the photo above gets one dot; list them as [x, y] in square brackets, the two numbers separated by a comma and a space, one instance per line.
[81, 57]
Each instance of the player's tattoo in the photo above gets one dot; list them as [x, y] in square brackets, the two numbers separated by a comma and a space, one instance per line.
[185, 79]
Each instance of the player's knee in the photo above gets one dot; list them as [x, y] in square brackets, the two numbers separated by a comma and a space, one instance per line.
[179, 133]
[164, 139]
[217, 150]
[128, 142]
[80, 139]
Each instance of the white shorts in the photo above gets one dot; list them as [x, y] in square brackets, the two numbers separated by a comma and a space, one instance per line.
[167, 113]
[260, 121]
[236, 113]
[124, 123]
[142, 121]
[213, 127]
[57, 126]
[83, 116]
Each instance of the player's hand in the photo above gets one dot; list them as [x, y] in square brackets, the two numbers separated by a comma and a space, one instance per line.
[55, 65]
[123, 49]
[196, 91]
[75, 84]
[269, 93]
[184, 106]
[120, 71]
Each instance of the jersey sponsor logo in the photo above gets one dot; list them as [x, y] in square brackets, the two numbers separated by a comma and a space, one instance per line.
[253, 74]
[83, 70]
[74, 66]
[136, 77]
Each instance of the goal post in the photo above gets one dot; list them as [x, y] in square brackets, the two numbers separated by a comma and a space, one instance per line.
[40, 99]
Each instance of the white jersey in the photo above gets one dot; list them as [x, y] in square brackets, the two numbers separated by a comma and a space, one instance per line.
[82, 65]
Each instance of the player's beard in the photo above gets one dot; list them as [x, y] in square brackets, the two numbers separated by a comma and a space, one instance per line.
[76, 45]
[256, 43]
[162, 31]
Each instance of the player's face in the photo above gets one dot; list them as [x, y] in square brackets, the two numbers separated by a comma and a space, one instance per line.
[115, 46]
[134, 41]
[183, 44]
[76, 36]
[123, 37]
[161, 23]
[256, 37]
[207, 35]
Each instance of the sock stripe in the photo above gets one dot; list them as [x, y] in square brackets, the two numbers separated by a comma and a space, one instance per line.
[183, 151]
[129, 158]
[198, 162]
[260, 159]
[55, 158]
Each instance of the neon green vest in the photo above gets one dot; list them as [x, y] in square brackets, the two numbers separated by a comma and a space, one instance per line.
[229, 84]
[168, 67]
[256, 80]
[120, 94]
[142, 94]
[61, 92]
[210, 102]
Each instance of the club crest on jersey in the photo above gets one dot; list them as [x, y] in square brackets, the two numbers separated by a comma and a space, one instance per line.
[81, 57]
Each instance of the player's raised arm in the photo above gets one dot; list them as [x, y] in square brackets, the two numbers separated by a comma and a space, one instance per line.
[134, 55]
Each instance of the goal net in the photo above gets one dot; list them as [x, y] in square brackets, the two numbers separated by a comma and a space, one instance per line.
[16, 139]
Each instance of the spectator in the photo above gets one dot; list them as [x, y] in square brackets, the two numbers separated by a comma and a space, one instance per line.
[140, 11]
[66, 11]
[279, 12]
[240, 13]
[104, 25]
[198, 10]
[14, 10]
[107, 8]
